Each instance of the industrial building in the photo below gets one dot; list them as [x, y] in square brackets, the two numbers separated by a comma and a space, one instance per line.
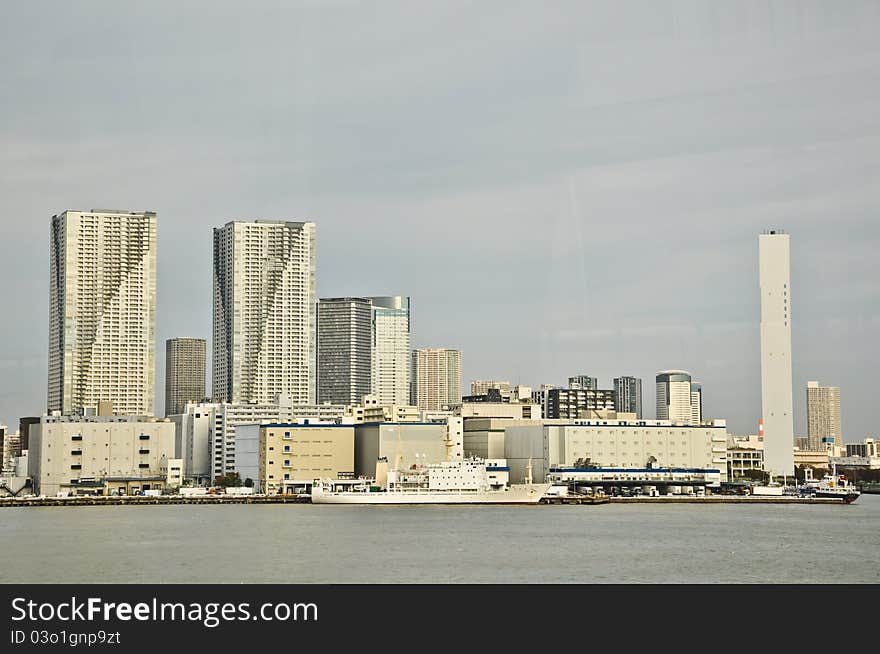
[406, 443]
[283, 457]
[614, 444]
[102, 455]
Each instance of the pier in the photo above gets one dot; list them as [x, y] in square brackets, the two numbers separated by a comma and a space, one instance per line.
[726, 499]
[137, 500]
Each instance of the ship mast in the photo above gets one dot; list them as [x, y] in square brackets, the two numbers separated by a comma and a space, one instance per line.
[448, 443]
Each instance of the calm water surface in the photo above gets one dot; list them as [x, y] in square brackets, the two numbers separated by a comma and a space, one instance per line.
[337, 544]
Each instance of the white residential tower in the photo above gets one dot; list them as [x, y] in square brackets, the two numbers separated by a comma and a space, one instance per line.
[102, 311]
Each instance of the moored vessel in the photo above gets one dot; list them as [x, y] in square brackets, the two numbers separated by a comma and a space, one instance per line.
[836, 486]
[469, 481]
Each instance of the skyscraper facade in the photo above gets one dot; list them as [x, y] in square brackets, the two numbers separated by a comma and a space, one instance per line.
[583, 383]
[102, 311]
[184, 373]
[436, 378]
[823, 416]
[391, 363]
[628, 395]
[575, 403]
[264, 312]
[344, 349]
[679, 399]
[696, 403]
[776, 396]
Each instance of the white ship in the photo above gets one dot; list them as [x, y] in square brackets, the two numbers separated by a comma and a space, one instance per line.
[471, 481]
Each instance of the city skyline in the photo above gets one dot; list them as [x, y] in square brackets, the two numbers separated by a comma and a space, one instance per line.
[543, 164]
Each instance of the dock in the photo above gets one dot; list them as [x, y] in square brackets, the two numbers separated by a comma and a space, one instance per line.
[576, 499]
[137, 500]
[726, 499]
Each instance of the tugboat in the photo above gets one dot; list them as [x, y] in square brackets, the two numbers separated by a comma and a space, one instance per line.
[834, 485]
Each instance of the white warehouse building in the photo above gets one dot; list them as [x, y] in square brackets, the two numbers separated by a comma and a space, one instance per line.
[615, 444]
[102, 455]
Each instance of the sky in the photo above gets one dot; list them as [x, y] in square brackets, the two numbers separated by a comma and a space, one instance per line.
[562, 188]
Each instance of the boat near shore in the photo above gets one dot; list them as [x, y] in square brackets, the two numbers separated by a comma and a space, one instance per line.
[469, 481]
[834, 486]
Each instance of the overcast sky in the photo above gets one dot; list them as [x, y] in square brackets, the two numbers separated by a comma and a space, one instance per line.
[561, 187]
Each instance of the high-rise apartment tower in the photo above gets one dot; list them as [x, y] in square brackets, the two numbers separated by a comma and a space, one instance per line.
[823, 416]
[391, 362]
[102, 311]
[184, 373]
[436, 378]
[628, 395]
[264, 312]
[344, 349]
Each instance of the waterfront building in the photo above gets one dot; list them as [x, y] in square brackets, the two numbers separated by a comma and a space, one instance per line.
[10, 448]
[583, 383]
[868, 448]
[823, 416]
[628, 395]
[391, 365]
[282, 457]
[639, 444]
[406, 444]
[572, 404]
[679, 399]
[184, 373]
[436, 375]
[24, 426]
[344, 349]
[744, 454]
[484, 436]
[102, 311]
[864, 455]
[776, 396]
[102, 455]
[264, 312]
[205, 432]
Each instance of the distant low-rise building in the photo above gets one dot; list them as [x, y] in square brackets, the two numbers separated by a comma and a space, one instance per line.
[811, 458]
[102, 455]
[371, 410]
[511, 410]
[483, 386]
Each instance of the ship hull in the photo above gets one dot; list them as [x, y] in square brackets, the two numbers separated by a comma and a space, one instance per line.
[516, 494]
[848, 498]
